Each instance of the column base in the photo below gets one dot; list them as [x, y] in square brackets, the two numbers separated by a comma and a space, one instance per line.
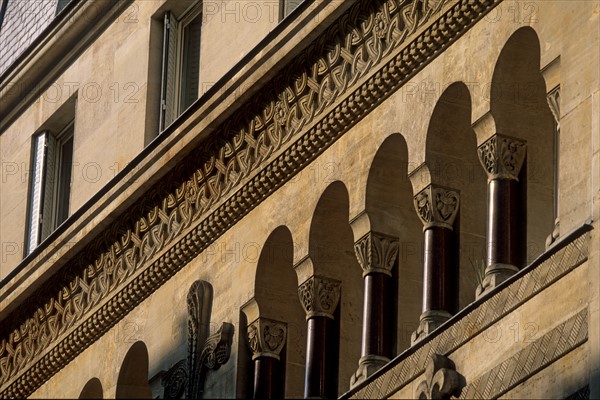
[367, 366]
[429, 321]
[495, 274]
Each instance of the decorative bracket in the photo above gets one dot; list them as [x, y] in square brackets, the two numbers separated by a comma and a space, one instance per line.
[502, 156]
[376, 252]
[437, 206]
[320, 296]
[267, 337]
[441, 379]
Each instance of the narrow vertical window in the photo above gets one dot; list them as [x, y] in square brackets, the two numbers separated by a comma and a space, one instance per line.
[181, 63]
[50, 185]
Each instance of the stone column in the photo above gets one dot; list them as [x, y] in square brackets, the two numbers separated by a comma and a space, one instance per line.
[320, 297]
[437, 208]
[377, 254]
[267, 338]
[502, 158]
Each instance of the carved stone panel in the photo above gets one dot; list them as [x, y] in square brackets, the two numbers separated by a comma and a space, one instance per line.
[175, 381]
[502, 157]
[320, 296]
[437, 206]
[441, 379]
[376, 252]
[267, 337]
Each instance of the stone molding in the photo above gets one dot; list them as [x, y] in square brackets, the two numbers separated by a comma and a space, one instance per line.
[320, 296]
[437, 206]
[554, 102]
[376, 253]
[470, 322]
[508, 374]
[266, 338]
[502, 157]
[233, 170]
[441, 379]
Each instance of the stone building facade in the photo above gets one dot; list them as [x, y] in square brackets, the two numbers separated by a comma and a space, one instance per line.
[356, 199]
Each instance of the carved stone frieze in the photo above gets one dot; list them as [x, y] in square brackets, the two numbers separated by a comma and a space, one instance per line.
[441, 379]
[502, 157]
[320, 296]
[437, 206]
[376, 252]
[248, 157]
[175, 381]
[267, 337]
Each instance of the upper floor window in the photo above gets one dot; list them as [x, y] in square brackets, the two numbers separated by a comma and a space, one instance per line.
[181, 63]
[50, 184]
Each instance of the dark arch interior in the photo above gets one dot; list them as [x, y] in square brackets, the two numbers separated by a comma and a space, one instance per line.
[133, 376]
[92, 390]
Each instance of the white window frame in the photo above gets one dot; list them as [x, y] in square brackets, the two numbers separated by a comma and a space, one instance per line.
[171, 100]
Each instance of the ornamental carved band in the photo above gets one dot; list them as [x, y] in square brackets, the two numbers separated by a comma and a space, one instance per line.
[376, 252]
[502, 157]
[320, 296]
[437, 206]
[266, 337]
[441, 379]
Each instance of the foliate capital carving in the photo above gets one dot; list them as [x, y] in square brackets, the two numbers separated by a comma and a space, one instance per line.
[441, 379]
[437, 206]
[376, 252]
[266, 337]
[320, 296]
[502, 157]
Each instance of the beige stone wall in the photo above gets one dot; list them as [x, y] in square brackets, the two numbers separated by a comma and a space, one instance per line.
[230, 263]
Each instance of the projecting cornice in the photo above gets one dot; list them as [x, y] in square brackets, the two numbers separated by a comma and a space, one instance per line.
[361, 59]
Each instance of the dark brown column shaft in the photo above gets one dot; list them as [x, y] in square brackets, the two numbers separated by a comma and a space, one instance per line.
[376, 254]
[321, 379]
[320, 298]
[505, 241]
[267, 338]
[502, 158]
[438, 207]
[440, 286]
[268, 380]
[377, 316]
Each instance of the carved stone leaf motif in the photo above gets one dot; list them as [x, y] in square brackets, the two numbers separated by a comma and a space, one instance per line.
[311, 84]
[441, 379]
[217, 347]
[267, 337]
[320, 296]
[376, 253]
[199, 302]
[502, 157]
[175, 381]
[437, 206]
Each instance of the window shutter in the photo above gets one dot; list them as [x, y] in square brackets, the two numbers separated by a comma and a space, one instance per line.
[49, 187]
[36, 191]
[168, 105]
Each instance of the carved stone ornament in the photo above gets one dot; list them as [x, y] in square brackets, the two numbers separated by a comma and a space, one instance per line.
[376, 252]
[502, 157]
[441, 379]
[320, 296]
[199, 302]
[266, 337]
[437, 206]
[347, 71]
[175, 381]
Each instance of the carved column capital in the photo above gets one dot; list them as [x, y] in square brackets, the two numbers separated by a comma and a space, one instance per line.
[502, 157]
[376, 252]
[320, 296]
[441, 379]
[437, 206]
[266, 337]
